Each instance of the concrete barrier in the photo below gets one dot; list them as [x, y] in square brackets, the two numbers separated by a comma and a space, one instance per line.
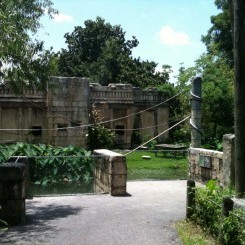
[110, 173]
[12, 193]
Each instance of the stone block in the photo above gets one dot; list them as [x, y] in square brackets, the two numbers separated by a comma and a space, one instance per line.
[216, 164]
[83, 104]
[12, 190]
[12, 171]
[119, 191]
[118, 167]
[13, 211]
[117, 180]
[106, 165]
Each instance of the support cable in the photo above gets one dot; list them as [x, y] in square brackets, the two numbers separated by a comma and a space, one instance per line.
[158, 135]
[87, 125]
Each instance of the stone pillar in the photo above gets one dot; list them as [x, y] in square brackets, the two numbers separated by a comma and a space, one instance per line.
[12, 193]
[67, 105]
[228, 175]
[112, 177]
[196, 112]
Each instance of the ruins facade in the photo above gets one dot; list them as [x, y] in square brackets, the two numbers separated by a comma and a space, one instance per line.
[61, 116]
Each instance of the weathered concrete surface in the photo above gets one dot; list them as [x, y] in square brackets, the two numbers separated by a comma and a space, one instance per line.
[146, 216]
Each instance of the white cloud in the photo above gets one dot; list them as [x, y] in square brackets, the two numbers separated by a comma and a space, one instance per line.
[59, 18]
[169, 36]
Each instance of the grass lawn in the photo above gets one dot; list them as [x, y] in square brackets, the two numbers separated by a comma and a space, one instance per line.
[157, 168]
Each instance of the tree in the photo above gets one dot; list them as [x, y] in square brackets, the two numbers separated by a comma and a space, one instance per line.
[22, 56]
[100, 51]
[217, 95]
[219, 37]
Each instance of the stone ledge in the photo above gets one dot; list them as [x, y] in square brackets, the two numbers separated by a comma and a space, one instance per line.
[12, 171]
[206, 152]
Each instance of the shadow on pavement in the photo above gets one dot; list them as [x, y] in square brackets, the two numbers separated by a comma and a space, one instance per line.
[38, 223]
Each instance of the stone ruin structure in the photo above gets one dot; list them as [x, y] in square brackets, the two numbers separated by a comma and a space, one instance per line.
[60, 117]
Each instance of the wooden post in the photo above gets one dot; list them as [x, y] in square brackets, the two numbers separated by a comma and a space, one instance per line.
[195, 120]
[190, 200]
[239, 58]
[227, 206]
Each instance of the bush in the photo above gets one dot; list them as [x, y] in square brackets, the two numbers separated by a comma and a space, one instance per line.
[208, 214]
[50, 164]
[98, 135]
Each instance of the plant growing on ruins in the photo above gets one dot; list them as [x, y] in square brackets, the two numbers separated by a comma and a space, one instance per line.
[99, 137]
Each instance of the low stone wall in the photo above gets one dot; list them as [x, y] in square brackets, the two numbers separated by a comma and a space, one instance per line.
[208, 164]
[12, 193]
[110, 173]
[205, 165]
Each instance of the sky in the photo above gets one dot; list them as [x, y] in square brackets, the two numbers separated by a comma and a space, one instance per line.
[169, 31]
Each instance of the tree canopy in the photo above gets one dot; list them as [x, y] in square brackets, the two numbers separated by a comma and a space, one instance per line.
[101, 52]
[216, 70]
[23, 57]
[219, 37]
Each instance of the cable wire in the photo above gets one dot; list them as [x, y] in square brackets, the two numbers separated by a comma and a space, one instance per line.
[88, 125]
[158, 135]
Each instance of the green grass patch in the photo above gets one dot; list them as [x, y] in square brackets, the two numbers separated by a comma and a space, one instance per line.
[192, 234]
[157, 168]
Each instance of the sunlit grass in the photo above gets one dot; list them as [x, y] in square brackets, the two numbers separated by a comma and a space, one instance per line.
[161, 168]
[191, 234]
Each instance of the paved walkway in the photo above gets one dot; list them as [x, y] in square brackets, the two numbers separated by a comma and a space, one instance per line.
[145, 217]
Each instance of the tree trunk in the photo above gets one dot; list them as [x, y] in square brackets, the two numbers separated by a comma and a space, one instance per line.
[239, 58]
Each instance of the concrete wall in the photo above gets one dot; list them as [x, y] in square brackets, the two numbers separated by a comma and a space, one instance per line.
[56, 118]
[110, 173]
[67, 105]
[121, 101]
[27, 112]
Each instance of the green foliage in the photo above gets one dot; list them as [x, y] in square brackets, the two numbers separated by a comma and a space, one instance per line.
[216, 71]
[50, 164]
[136, 139]
[192, 234]
[208, 210]
[219, 37]
[99, 137]
[101, 52]
[217, 95]
[233, 228]
[25, 62]
[151, 145]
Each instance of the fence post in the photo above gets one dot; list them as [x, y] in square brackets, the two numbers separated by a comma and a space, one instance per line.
[12, 193]
[190, 200]
[227, 206]
[195, 120]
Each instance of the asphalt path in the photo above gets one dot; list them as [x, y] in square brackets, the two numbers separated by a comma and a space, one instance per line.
[146, 216]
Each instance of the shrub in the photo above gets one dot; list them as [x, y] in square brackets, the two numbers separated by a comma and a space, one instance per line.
[50, 164]
[208, 214]
[98, 135]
